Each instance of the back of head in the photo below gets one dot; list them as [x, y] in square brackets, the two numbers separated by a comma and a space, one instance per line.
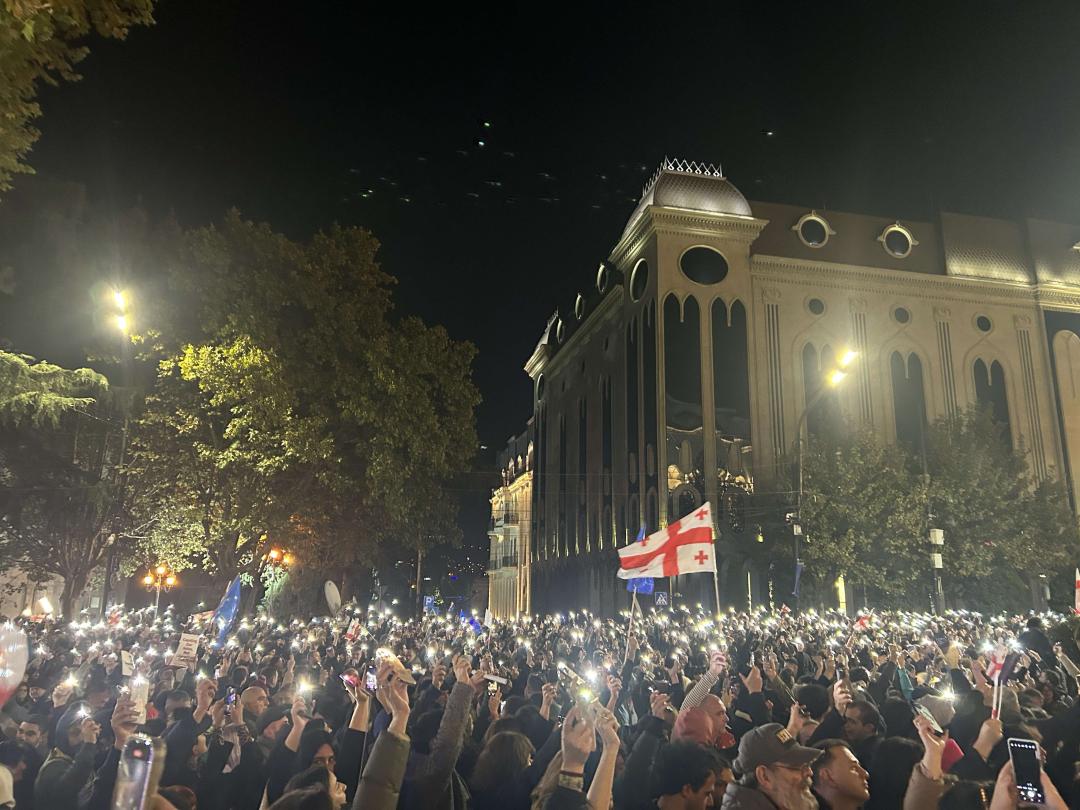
[504, 724]
[897, 716]
[683, 763]
[12, 752]
[424, 729]
[870, 714]
[314, 777]
[890, 771]
[311, 798]
[506, 753]
[966, 795]
[693, 725]
[179, 796]
[814, 698]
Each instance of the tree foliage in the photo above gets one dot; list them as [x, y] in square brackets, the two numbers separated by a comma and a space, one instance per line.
[294, 409]
[39, 44]
[868, 508]
[40, 393]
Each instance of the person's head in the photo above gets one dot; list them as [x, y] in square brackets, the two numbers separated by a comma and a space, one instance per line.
[36, 690]
[271, 721]
[1034, 623]
[965, 795]
[839, 776]
[503, 724]
[771, 761]
[897, 715]
[312, 798]
[69, 727]
[814, 698]
[424, 729]
[178, 699]
[685, 773]
[13, 756]
[316, 748]
[166, 680]
[861, 721]
[694, 725]
[891, 768]
[179, 796]
[32, 731]
[717, 711]
[254, 701]
[507, 752]
[97, 695]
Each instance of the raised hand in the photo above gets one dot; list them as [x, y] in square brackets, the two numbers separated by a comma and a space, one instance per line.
[123, 720]
[578, 741]
[717, 663]
[752, 682]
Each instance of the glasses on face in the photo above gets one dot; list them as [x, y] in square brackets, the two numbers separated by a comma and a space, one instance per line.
[800, 769]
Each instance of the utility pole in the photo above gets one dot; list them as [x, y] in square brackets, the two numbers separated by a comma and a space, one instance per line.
[419, 583]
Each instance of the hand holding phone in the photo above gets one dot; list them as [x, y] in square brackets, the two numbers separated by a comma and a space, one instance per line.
[1027, 769]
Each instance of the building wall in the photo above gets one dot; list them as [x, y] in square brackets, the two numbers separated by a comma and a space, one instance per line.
[966, 312]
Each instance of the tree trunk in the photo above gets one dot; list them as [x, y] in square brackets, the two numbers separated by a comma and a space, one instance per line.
[73, 587]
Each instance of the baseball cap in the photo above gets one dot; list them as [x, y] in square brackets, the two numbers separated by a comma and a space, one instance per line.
[771, 744]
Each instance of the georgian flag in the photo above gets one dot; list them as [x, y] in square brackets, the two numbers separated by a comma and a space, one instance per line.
[684, 547]
[997, 662]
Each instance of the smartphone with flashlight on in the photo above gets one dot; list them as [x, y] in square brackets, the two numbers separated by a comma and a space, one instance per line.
[371, 682]
[1027, 767]
[230, 700]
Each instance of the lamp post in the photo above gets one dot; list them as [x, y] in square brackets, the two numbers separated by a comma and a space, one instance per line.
[277, 561]
[122, 322]
[833, 380]
[161, 578]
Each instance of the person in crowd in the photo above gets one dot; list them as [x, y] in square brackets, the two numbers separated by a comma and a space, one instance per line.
[840, 782]
[772, 770]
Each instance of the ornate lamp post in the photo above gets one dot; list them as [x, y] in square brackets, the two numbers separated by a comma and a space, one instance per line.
[159, 579]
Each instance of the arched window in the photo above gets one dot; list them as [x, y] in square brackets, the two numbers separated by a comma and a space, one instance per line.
[731, 376]
[909, 400]
[990, 393]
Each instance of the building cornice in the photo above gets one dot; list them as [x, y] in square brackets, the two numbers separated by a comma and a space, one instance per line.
[604, 311]
[857, 278]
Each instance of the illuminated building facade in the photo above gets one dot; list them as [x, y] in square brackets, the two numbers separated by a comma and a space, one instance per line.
[509, 562]
[681, 371]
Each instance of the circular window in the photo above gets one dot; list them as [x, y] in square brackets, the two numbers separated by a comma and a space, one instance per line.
[579, 307]
[541, 383]
[897, 241]
[703, 265]
[639, 280]
[603, 278]
[983, 324]
[813, 230]
[560, 331]
[816, 306]
[901, 315]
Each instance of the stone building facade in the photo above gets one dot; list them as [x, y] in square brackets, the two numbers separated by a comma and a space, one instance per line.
[509, 562]
[682, 369]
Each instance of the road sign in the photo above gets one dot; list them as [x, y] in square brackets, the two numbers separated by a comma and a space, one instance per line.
[661, 598]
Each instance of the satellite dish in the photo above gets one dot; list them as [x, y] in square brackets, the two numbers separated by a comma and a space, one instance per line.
[333, 597]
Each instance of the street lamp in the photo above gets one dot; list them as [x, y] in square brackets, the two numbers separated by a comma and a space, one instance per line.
[277, 560]
[834, 379]
[158, 580]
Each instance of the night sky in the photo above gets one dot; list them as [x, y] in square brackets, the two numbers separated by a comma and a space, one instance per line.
[303, 114]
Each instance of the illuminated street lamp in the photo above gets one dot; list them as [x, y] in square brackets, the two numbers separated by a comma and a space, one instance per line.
[158, 580]
[834, 379]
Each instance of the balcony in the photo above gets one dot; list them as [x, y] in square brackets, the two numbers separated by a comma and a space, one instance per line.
[503, 519]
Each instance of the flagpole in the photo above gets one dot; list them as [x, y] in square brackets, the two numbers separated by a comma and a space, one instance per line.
[630, 627]
[716, 582]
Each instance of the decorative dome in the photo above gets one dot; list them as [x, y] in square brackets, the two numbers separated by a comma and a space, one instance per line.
[695, 186]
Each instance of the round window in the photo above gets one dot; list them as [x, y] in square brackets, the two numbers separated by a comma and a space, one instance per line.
[901, 315]
[541, 383]
[812, 232]
[639, 280]
[579, 307]
[816, 306]
[603, 278]
[897, 241]
[983, 324]
[560, 331]
[704, 265]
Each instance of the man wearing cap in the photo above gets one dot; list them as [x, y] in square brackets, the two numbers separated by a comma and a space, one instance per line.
[772, 772]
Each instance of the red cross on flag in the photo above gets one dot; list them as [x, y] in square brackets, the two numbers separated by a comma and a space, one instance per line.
[684, 547]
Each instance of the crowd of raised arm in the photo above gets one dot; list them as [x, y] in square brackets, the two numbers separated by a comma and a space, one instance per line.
[364, 710]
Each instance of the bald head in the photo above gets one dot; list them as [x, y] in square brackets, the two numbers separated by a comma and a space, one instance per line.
[254, 701]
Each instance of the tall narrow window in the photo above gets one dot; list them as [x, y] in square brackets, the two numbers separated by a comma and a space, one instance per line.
[990, 393]
[682, 378]
[909, 401]
[731, 376]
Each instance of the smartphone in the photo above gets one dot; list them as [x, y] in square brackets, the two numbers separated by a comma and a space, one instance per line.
[492, 687]
[230, 699]
[922, 711]
[1028, 770]
[139, 692]
[141, 763]
[497, 679]
[371, 683]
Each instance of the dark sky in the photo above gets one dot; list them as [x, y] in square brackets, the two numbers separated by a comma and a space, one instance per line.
[302, 114]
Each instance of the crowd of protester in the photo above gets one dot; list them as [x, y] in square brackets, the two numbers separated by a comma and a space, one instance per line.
[675, 709]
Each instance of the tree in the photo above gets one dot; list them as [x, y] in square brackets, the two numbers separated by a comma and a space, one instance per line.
[294, 409]
[65, 498]
[998, 522]
[39, 392]
[863, 515]
[39, 44]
